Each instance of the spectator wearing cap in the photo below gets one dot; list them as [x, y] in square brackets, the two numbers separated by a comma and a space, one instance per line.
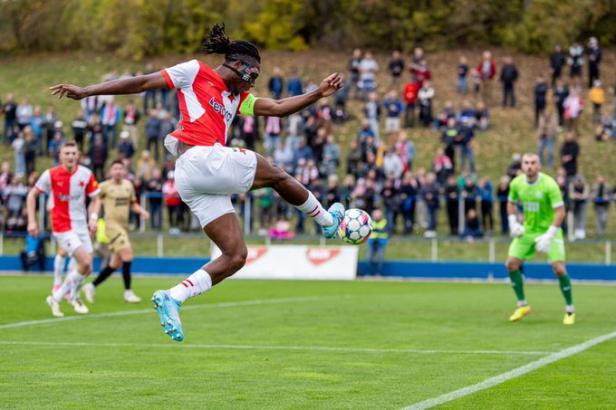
[508, 76]
[595, 55]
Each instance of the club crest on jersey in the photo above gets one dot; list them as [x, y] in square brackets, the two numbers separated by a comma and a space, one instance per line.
[218, 107]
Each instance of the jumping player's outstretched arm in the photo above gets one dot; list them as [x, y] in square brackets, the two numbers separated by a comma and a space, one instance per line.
[132, 85]
[286, 106]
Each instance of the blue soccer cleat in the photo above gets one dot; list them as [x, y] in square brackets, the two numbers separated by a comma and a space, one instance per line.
[337, 212]
[169, 311]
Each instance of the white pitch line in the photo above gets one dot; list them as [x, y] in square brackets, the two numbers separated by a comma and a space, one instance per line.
[512, 374]
[335, 349]
[144, 311]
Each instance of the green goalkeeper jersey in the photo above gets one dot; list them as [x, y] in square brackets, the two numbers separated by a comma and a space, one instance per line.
[538, 201]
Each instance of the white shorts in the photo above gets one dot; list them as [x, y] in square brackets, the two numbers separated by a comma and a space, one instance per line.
[207, 176]
[70, 241]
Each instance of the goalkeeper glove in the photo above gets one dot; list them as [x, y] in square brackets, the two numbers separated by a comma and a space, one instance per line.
[543, 242]
[516, 229]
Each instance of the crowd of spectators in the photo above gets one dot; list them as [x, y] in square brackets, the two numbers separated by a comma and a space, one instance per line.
[374, 169]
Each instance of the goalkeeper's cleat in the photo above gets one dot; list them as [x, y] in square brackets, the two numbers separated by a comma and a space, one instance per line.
[90, 291]
[337, 213]
[168, 310]
[55, 307]
[130, 297]
[569, 319]
[520, 313]
[79, 306]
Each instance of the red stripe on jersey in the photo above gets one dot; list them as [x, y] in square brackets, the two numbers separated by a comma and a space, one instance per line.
[168, 79]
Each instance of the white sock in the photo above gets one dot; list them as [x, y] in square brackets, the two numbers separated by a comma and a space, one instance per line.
[522, 303]
[71, 278]
[196, 284]
[569, 309]
[58, 269]
[313, 208]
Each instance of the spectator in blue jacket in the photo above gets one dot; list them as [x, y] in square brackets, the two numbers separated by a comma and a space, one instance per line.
[276, 84]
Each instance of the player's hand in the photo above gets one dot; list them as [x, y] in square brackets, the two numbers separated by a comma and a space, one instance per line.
[516, 229]
[544, 242]
[33, 228]
[92, 226]
[68, 90]
[330, 84]
[145, 215]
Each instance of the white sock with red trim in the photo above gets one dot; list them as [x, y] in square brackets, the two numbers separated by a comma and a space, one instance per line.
[72, 278]
[313, 208]
[196, 284]
[58, 269]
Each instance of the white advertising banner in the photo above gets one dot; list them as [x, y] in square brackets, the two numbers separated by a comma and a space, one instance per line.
[298, 262]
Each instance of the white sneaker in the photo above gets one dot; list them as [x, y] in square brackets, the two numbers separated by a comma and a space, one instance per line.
[90, 291]
[130, 297]
[55, 307]
[80, 307]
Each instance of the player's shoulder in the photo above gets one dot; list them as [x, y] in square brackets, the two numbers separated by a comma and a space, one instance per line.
[548, 180]
[84, 171]
[517, 181]
[103, 185]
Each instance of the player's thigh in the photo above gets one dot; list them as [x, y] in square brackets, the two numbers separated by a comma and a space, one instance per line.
[215, 170]
[69, 242]
[208, 208]
[267, 174]
[226, 232]
[522, 248]
[118, 240]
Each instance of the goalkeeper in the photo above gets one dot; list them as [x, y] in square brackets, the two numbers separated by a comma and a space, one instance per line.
[539, 196]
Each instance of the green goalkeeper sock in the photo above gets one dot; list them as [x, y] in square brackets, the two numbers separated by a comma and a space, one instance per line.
[565, 288]
[517, 283]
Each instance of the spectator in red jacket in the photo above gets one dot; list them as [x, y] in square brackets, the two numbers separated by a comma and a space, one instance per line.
[487, 72]
[410, 100]
[421, 72]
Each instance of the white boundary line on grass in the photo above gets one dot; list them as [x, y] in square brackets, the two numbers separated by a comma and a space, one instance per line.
[512, 374]
[335, 349]
[144, 311]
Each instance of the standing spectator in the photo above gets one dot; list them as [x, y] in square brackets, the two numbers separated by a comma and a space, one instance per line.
[14, 196]
[173, 203]
[10, 119]
[573, 106]
[442, 166]
[502, 194]
[561, 92]
[393, 106]
[411, 90]
[167, 124]
[98, 156]
[372, 112]
[131, 118]
[275, 85]
[145, 166]
[392, 164]
[548, 128]
[487, 71]
[91, 105]
[367, 74]
[449, 138]
[295, 86]
[452, 199]
[576, 61]
[49, 124]
[36, 123]
[353, 158]
[462, 82]
[467, 153]
[601, 199]
[55, 145]
[475, 81]
[579, 194]
[430, 194]
[395, 67]
[154, 190]
[110, 117]
[406, 150]
[354, 70]
[540, 91]
[509, 75]
[569, 153]
[482, 116]
[409, 190]
[421, 72]
[126, 148]
[391, 203]
[486, 195]
[24, 114]
[558, 59]
[29, 150]
[333, 191]
[152, 134]
[79, 126]
[249, 131]
[470, 193]
[426, 94]
[331, 156]
[594, 60]
[19, 150]
[149, 96]
[596, 96]
[273, 129]
[377, 243]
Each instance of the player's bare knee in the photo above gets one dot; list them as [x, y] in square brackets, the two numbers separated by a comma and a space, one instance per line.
[512, 265]
[558, 268]
[238, 259]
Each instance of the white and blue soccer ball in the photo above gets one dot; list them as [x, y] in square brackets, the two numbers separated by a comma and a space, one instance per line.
[356, 226]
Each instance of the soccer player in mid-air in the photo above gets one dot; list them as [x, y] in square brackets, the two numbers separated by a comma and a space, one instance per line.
[207, 172]
[544, 211]
[118, 197]
[68, 184]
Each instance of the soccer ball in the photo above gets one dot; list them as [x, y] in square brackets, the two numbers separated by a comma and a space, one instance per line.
[356, 226]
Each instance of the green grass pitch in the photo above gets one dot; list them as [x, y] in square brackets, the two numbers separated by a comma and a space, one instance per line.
[305, 345]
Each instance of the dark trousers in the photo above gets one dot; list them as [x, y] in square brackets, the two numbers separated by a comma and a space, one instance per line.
[539, 109]
[487, 221]
[153, 143]
[432, 217]
[409, 116]
[156, 213]
[508, 95]
[504, 217]
[593, 73]
[452, 216]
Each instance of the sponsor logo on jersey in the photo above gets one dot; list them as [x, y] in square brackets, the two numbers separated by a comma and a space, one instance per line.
[218, 107]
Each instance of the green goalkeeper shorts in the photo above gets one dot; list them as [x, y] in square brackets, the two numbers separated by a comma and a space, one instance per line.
[524, 247]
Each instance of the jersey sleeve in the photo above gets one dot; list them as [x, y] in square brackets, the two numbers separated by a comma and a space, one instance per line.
[514, 195]
[44, 182]
[92, 188]
[247, 104]
[133, 196]
[181, 75]
[102, 190]
[556, 197]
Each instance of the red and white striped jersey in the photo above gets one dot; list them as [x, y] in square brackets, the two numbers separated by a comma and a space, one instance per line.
[68, 193]
[206, 105]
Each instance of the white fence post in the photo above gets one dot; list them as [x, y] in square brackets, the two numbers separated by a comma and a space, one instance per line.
[247, 215]
[492, 250]
[608, 252]
[160, 246]
[434, 251]
[141, 218]
[1, 243]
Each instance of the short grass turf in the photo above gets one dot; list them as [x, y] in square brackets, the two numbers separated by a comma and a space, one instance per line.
[305, 345]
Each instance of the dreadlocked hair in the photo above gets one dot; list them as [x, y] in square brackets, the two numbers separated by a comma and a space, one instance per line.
[217, 42]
